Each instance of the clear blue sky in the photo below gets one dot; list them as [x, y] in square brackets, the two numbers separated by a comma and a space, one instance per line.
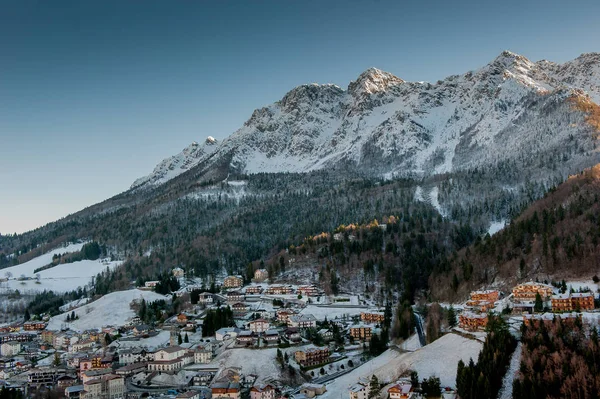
[94, 93]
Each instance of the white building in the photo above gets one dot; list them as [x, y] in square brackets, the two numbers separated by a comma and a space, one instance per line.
[258, 325]
[302, 321]
[10, 348]
[359, 391]
[202, 355]
[262, 392]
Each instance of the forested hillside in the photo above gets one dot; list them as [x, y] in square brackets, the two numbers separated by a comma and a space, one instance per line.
[557, 237]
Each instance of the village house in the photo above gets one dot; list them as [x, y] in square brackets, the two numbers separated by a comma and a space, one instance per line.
[472, 321]
[110, 386]
[80, 346]
[258, 325]
[308, 290]
[94, 374]
[131, 369]
[361, 332]
[262, 392]
[292, 334]
[170, 359]
[202, 355]
[528, 291]
[402, 390]
[239, 308]
[233, 282]
[234, 296]
[261, 275]
[10, 348]
[64, 340]
[312, 390]
[302, 321]
[20, 337]
[246, 337]
[178, 272]
[487, 295]
[254, 290]
[188, 395]
[151, 284]
[74, 392]
[483, 301]
[569, 302]
[47, 336]
[547, 318]
[312, 355]
[372, 316]
[182, 318]
[283, 315]
[326, 334]
[226, 332]
[271, 337]
[205, 298]
[582, 300]
[279, 290]
[480, 306]
[229, 390]
[34, 326]
[134, 355]
[65, 380]
[359, 391]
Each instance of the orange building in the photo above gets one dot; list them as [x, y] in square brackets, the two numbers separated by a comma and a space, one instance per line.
[472, 321]
[571, 302]
[233, 282]
[488, 295]
[312, 356]
[372, 316]
[528, 291]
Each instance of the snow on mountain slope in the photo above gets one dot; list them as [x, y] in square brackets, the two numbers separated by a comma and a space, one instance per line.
[387, 126]
[61, 278]
[111, 310]
[439, 359]
[28, 267]
[177, 164]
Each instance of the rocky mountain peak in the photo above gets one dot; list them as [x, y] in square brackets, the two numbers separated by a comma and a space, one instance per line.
[372, 81]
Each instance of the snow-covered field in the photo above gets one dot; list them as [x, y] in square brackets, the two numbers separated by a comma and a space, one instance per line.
[496, 227]
[331, 313]
[260, 362]
[112, 309]
[61, 278]
[27, 268]
[439, 359]
[412, 343]
[152, 343]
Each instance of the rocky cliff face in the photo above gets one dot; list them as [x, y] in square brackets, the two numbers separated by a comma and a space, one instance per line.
[510, 109]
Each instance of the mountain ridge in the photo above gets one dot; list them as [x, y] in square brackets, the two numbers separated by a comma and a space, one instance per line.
[389, 126]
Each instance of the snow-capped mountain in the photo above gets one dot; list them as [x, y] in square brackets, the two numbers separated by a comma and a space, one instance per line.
[177, 164]
[506, 110]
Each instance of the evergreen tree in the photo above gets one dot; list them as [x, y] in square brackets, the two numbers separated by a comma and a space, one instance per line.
[539, 304]
[179, 340]
[374, 387]
[452, 322]
[186, 339]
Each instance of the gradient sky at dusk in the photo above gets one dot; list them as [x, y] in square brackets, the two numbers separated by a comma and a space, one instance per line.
[93, 94]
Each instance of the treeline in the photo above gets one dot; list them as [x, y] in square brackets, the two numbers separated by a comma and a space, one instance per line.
[50, 302]
[10, 393]
[560, 359]
[216, 319]
[483, 380]
[156, 311]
